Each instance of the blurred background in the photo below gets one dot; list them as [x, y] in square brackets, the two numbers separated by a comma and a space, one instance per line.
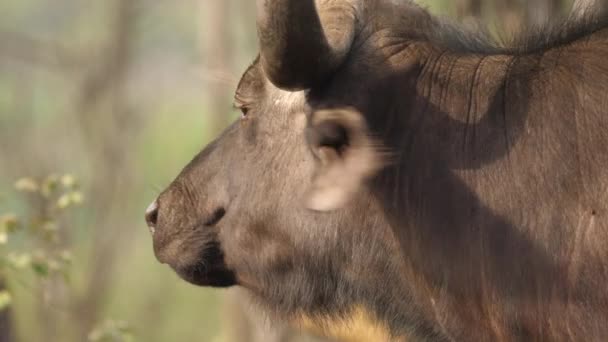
[101, 104]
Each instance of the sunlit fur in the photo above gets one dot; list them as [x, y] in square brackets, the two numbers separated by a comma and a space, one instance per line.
[358, 325]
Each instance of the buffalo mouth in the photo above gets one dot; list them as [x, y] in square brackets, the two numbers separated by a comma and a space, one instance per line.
[210, 270]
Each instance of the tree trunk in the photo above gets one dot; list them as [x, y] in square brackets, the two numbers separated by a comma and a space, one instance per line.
[510, 16]
[469, 12]
[540, 12]
[104, 93]
[468, 8]
[217, 61]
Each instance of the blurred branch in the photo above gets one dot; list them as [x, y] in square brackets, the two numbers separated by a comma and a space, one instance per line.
[219, 78]
[23, 48]
[468, 8]
[215, 42]
[111, 71]
[6, 322]
[540, 12]
[106, 136]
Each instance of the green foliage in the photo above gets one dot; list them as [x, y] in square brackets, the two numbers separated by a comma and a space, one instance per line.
[41, 249]
[112, 331]
[33, 243]
[5, 300]
[9, 223]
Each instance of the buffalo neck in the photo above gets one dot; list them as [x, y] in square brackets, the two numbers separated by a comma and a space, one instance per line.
[458, 114]
[454, 129]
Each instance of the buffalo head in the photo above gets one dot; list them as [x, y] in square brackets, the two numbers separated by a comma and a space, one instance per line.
[279, 203]
[302, 201]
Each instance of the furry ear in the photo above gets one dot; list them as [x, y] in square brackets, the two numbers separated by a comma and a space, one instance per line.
[347, 156]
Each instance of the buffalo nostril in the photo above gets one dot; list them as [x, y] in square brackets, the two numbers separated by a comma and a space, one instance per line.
[217, 215]
[152, 216]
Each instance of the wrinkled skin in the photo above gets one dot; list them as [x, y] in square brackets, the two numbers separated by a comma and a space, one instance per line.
[467, 205]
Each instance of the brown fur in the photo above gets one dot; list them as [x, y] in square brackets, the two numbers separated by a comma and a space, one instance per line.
[489, 225]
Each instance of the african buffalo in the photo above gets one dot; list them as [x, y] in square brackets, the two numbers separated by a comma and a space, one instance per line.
[394, 177]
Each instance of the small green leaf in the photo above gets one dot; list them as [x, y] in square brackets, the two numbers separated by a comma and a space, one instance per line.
[68, 181]
[50, 226]
[112, 331]
[54, 265]
[50, 185]
[64, 201]
[40, 268]
[19, 261]
[5, 300]
[26, 184]
[9, 223]
[66, 256]
[76, 197]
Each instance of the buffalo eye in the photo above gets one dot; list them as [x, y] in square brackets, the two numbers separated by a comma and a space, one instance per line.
[244, 111]
[243, 108]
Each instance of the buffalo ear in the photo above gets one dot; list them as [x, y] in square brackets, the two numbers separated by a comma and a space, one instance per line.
[346, 157]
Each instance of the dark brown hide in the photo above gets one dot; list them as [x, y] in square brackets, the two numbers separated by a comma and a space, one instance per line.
[488, 224]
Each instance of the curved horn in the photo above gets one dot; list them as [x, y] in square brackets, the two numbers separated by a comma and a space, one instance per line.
[303, 41]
